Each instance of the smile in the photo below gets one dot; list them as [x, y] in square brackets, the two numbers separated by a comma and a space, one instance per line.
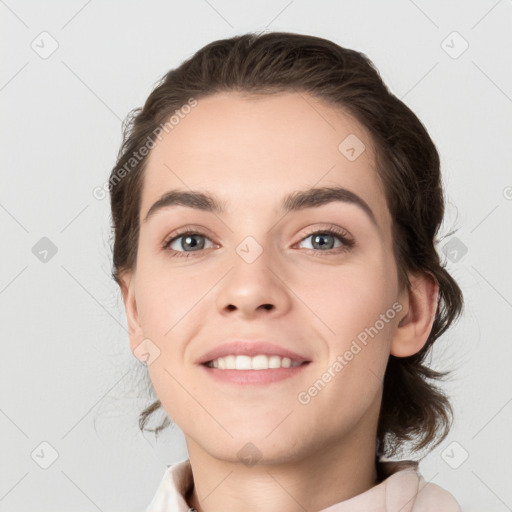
[259, 362]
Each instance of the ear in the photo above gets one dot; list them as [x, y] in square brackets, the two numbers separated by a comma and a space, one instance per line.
[420, 305]
[130, 305]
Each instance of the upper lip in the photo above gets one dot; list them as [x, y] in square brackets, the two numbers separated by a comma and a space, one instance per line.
[250, 348]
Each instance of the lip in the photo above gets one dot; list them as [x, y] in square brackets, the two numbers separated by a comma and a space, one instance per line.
[251, 348]
[253, 377]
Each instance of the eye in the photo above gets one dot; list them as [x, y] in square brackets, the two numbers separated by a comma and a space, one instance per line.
[325, 240]
[188, 241]
[180, 243]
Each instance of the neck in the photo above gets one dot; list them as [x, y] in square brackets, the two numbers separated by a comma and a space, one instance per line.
[329, 473]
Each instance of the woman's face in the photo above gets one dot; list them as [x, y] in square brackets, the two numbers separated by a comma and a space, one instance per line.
[256, 271]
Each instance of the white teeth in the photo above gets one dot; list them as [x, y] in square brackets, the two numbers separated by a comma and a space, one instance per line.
[260, 362]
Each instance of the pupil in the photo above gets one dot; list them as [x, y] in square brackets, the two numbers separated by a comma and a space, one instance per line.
[191, 241]
[319, 239]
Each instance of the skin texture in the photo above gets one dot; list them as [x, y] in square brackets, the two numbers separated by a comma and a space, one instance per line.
[250, 152]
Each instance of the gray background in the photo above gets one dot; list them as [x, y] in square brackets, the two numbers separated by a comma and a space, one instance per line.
[67, 376]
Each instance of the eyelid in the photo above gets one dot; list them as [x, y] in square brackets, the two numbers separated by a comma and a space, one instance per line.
[343, 235]
[337, 230]
[185, 230]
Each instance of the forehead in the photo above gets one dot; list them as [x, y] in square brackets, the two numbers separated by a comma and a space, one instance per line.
[252, 150]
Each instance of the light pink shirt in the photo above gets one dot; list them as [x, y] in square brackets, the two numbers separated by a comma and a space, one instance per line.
[404, 490]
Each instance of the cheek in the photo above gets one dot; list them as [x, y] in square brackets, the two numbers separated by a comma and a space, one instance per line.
[354, 317]
[347, 298]
[355, 320]
[165, 293]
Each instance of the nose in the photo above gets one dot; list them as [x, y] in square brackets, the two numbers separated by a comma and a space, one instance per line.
[253, 289]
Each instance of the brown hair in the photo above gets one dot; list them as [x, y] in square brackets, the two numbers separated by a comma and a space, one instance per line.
[413, 409]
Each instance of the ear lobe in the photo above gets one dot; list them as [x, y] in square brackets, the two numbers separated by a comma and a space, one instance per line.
[420, 302]
[130, 305]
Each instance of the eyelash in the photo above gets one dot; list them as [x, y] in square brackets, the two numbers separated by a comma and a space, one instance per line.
[348, 243]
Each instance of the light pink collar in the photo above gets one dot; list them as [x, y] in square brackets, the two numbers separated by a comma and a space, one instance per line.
[403, 489]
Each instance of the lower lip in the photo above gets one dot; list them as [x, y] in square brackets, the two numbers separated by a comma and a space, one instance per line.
[249, 377]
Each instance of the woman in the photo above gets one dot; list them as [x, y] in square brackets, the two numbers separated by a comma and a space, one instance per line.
[275, 212]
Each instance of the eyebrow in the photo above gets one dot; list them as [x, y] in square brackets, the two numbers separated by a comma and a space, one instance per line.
[296, 201]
